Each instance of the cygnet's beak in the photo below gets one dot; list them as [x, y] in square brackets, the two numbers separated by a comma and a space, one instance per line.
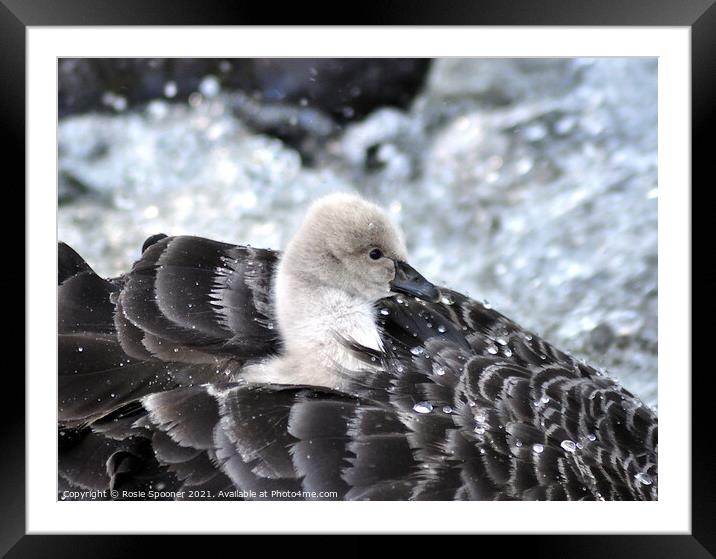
[409, 281]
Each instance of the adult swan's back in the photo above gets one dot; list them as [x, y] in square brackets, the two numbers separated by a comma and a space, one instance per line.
[214, 371]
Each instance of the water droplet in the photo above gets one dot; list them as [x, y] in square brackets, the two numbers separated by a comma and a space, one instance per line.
[270, 326]
[569, 446]
[492, 349]
[644, 479]
[441, 329]
[384, 312]
[423, 407]
[170, 89]
[210, 86]
[117, 102]
[501, 341]
[507, 351]
[592, 437]
[537, 448]
[176, 350]
[518, 444]
[437, 369]
[447, 409]
[417, 350]
[447, 299]
[480, 430]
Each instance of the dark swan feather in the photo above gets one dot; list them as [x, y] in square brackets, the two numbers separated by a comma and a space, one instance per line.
[462, 403]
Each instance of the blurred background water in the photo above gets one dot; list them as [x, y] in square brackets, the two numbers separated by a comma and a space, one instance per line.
[531, 183]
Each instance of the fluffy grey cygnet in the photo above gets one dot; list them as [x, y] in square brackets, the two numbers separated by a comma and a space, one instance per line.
[345, 257]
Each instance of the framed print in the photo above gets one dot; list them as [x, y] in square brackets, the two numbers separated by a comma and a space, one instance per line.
[275, 242]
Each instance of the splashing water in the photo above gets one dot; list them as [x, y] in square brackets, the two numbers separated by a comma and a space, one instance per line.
[529, 182]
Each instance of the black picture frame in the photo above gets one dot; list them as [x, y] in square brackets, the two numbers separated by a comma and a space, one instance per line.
[698, 15]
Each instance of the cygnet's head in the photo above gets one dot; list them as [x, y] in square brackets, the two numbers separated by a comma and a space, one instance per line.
[350, 244]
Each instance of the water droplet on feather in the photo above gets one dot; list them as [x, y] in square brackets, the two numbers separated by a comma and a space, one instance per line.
[423, 407]
[569, 446]
[644, 479]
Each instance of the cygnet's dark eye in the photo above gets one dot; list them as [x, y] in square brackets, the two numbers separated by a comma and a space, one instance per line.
[375, 254]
